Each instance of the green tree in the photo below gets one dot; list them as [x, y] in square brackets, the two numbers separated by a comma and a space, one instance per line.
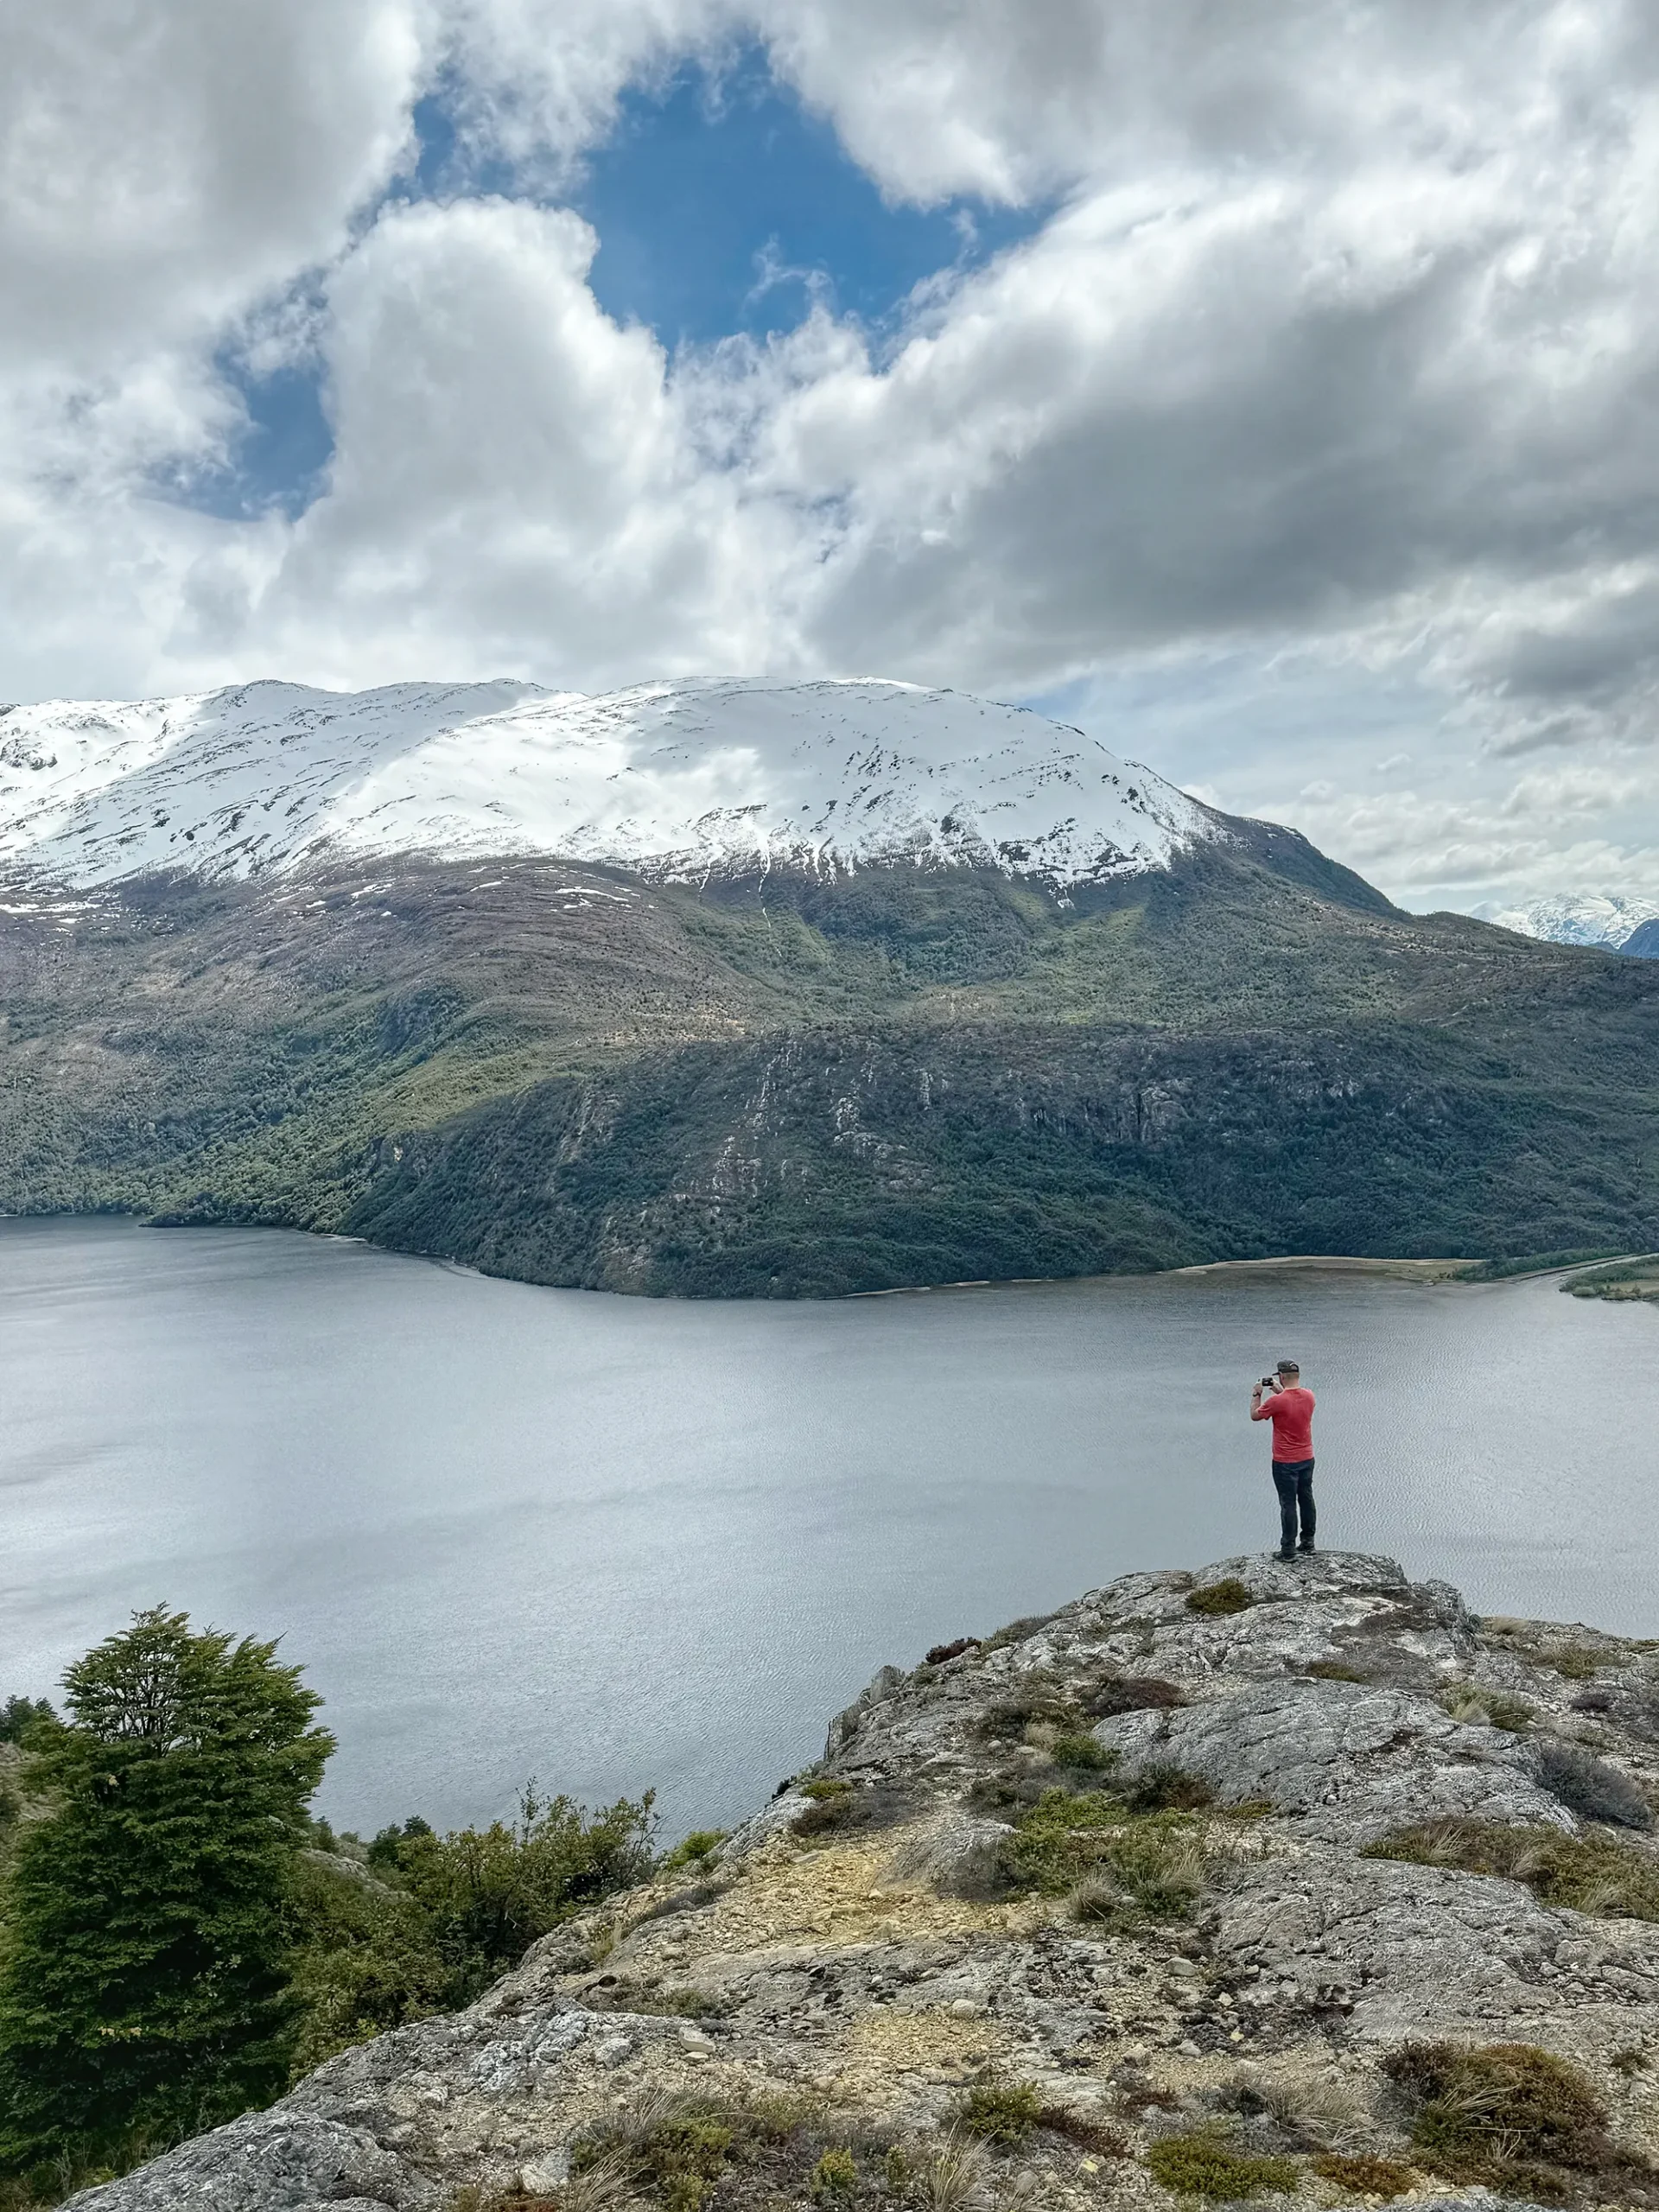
[142, 1984]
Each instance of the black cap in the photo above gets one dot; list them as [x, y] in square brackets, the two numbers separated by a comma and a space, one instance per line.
[1286, 1367]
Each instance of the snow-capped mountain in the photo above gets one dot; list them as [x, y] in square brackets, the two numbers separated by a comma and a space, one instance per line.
[677, 780]
[1575, 919]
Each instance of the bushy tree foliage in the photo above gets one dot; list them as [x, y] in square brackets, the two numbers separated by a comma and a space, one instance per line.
[144, 1985]
[433, 1919]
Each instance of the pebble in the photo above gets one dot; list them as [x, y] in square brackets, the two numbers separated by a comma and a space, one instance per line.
[964, 2008]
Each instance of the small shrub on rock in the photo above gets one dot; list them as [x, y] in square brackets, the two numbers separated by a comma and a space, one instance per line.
[693, 1850]
[1507, 2114]
[1591, 1874]
[1334, 1670]
[1204, 2163]
[1020, 1632]
[1576, 1662]
[834, 2176]
[943, 1652]
[1083, 1753]
[1001, 2112]
[1218, 1599]
[1036, 1703]
[1164, 1787]
[1364, 2176]
[1590, 1788]
[1130, 1694]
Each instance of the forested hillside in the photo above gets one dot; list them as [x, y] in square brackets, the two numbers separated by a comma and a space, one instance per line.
[789, 1085]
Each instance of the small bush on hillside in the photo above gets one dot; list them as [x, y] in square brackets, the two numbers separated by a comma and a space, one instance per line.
[1037, 1702]
[1130, 1694]
[1204, 2163]
[1473, 1701]
[1120, 1868]
[1218, 1599]
[1590, 1788]
[942, 1654]
[1020, 1632]
[694, 1850]
[1083, 1753]
[1334, 1670]
[1361, 2175]
[1164, 1787]
[835, 2175]
[1507, 2114]
[1001, 2112]
[1591, 1874]
[1576, 1662]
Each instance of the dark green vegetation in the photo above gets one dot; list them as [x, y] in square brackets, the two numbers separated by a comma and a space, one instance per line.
[1591, 1873]
[1202, 2163]
[1637, 1278]
[179, 1938]
[804, 1088]
[1218, 1598]
[1516, 2118]
[143, 1993]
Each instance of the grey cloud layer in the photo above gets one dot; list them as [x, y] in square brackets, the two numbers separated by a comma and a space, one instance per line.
[1342, 337]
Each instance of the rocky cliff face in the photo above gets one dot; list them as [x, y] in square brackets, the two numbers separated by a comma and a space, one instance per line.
[1267, 1879]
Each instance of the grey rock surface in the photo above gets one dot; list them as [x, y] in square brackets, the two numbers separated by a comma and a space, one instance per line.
[881, 1961]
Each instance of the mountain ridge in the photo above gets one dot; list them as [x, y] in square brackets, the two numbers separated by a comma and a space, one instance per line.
[926, 1057]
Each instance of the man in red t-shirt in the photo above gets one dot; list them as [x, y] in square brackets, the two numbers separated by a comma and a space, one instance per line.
[1290, 1409]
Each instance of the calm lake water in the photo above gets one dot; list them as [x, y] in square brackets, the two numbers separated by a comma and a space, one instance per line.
[616, 1543]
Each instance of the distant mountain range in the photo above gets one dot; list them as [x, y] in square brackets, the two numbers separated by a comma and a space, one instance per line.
[1621, 925]
[763, 989]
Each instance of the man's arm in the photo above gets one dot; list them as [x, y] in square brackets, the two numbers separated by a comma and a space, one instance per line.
[1258, 1411]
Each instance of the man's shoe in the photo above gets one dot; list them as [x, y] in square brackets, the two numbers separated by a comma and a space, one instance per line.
[1284, 1554]
[1306, 1550]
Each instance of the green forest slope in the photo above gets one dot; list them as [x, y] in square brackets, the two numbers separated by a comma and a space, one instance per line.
[795, 1088]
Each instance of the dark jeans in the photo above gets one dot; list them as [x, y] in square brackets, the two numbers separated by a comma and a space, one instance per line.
[1293, 1480]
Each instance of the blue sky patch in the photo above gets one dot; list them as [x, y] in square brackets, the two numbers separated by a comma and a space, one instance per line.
[723, 206]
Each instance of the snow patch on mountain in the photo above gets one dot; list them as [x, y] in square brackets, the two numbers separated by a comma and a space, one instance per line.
[1575, 918]
[677, 780]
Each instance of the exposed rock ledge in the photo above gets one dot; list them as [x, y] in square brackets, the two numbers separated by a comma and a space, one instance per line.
[883, 1964]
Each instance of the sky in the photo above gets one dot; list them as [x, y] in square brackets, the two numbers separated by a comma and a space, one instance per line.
[1270, 387]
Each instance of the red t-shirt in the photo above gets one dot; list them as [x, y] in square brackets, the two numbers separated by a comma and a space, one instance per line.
[1290, 1413]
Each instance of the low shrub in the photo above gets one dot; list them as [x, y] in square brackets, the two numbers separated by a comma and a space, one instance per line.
[1364, 2176]
[1217, 1599]
[1334, 1670]
[1088, 2134]
[838, 1809]
[1473, 1701]
[1325, 2112]
[1164, 1787]
[1130, 1694]
[1001, 2112]
[942, 1652]
[1020, 1632]
[1083, 1753]
[1590, 1788]
[1591, 1874]
[1204, 2163]
[1119, 1868]
[693, 1850]
[1574, 1660]
[1507, 2114]
[834, 2175]
[1037, 1702]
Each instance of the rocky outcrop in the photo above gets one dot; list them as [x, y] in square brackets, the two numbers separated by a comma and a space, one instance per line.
[880, 1940]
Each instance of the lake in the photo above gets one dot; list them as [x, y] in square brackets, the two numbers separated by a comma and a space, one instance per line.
[617, 1543]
